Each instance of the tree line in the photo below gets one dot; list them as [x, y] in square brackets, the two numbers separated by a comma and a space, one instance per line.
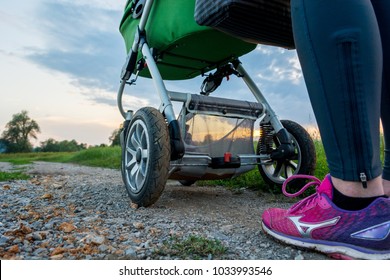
[21, 128]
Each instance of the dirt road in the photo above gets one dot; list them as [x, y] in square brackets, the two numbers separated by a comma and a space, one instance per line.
[69, 211]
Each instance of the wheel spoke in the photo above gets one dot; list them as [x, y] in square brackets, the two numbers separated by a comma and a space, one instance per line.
[131, 163]
[286, 169]
[293, 165]
[139, 131]
[139, 177]
[289, 171]
[144, 140]
[131, 151]
[143, 166]
[278, 169]
[133, 183]
[134, 140]
[131, 156]
[133, 170]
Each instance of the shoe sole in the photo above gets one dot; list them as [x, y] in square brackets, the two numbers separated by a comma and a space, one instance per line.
[333, 250]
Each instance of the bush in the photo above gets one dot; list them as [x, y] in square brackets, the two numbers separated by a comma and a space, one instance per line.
[51, 145]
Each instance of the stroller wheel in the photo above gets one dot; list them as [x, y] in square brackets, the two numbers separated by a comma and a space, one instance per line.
[146, 156]
[303, 161]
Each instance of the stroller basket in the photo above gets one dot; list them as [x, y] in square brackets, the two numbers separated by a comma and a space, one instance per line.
[182, 48]
[218, 137]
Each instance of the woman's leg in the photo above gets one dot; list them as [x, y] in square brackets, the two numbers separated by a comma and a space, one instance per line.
[382, 11]
[339, 47]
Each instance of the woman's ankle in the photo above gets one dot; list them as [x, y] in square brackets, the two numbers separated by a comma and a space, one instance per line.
[386, 187]
[375, 187]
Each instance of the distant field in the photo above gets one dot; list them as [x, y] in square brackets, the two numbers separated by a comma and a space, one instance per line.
[110, 157]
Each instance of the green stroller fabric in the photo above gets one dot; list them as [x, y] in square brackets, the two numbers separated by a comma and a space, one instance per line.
[184, 48]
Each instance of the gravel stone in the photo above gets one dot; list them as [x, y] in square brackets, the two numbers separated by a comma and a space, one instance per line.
[71, 212]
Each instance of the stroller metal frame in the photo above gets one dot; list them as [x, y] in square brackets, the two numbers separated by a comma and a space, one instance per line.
[286, 143]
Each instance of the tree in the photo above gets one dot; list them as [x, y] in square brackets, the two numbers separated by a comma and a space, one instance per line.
[115, 137]
[51, 145]
[18, 131]
[3, 146]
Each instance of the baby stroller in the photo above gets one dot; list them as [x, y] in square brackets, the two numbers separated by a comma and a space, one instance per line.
[212, 137]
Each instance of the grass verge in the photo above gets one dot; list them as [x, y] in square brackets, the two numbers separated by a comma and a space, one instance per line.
[27, 158]
[253, 179]
[6, 176]
[193, 247]
[108, 157]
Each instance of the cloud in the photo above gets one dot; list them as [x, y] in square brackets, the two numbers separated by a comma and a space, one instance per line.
[130, 101]
[93, 133]
[103, 4]
[277, 72]
[83, 42]
[269, 50]
[281, 65]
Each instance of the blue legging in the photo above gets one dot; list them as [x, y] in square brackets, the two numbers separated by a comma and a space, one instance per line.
[343, 47]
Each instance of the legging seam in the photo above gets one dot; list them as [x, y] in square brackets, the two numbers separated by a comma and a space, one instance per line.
[312, 53]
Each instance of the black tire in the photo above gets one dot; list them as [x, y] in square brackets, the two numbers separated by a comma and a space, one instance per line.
[146, 156]
[187, 183]
[303, 161]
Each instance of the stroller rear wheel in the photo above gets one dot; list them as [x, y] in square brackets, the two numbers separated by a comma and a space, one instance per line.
[146, 156]
[303, 160]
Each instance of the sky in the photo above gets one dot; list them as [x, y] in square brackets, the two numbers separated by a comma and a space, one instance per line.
[61, 60]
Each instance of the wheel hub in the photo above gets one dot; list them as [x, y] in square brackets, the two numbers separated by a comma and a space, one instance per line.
[138, 155]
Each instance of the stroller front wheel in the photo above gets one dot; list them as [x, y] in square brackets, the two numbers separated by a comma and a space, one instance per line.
[146, 156]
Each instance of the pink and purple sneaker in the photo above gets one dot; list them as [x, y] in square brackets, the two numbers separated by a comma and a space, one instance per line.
[316, 223]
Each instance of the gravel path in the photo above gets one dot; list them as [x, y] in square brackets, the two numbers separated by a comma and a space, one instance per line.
[75, 212]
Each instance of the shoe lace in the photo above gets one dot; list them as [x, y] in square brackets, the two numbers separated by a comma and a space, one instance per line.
[308, 201]
[315, 182]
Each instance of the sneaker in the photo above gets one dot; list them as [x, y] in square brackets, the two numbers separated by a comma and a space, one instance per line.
[316, 223]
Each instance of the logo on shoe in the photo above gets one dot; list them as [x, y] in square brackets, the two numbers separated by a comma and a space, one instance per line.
[306, 228]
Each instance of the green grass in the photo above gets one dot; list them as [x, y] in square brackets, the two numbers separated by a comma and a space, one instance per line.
[193, 247]
[253, 179]
[321, 166]
[7, 176]
[27, 158]
[110, 157]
